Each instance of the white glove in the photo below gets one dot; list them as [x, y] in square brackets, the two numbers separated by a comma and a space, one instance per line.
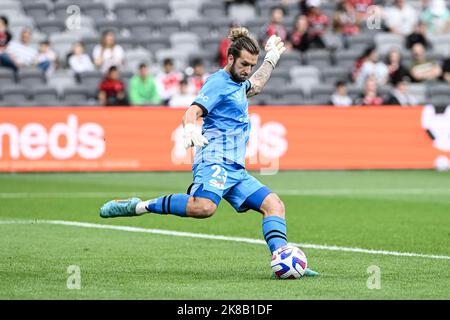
[192, 136]
[274, 48]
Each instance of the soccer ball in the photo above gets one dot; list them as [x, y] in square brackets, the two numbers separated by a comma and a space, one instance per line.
[288, 262]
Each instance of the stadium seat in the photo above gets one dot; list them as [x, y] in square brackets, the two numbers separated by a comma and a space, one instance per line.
[91, 79]
[322, 92]
[36, 10]
[200, 27]
[31, 78]
[211, 43]
[213, 9]
[184, 10]
[7, 77]
[154, 43]
[440, 101]
[241, 12]
[16, 95]
[346, 58]
[76, 96]
[167, 26]
[127, 12]
[127, 42]
[186, 41]
[137, 56]
[105, 25]
[95, 10]
[179, 57]
[292, 93]
[155, 10]
[384, 41]
[333, 74]
[319, 58]
[45, 96]
[439, 89]
[209, 59]
[140, 28]
[359, 42]
[304, 77]
[290, 59]
[51, 26]
[418, 91]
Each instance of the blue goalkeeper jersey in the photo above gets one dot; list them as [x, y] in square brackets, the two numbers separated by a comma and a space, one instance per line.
[226, 123]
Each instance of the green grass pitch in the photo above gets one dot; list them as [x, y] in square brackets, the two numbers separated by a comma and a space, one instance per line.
[395, 211]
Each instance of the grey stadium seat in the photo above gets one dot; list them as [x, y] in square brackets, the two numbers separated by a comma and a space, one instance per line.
[95, 10]
[104, 24]
[140, 28]
[51, 26]
[211, 43]
[15, 95]
[201, 27]
[7, 77]
[167, 26]
[155, 10]
[304, 76]
[45, 96]
[128, 11]
[346, 58]
[36, 10]
[185, 41]
[212, 10]
[290, 59]
[31, 77]
[322, 92]
[319, 58]
[76, 96]
[154, 43]
[91, 79]
[292, 93]
[439, 89]
[332, 74]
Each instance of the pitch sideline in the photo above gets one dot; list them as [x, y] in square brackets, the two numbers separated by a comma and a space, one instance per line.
[218, 237]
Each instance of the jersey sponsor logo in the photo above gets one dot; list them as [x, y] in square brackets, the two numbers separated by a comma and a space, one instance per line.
[203, 97]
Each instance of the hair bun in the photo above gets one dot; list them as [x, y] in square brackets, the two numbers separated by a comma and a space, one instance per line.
[238, 32]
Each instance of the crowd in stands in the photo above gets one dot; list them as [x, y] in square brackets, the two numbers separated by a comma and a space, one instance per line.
[310, 28]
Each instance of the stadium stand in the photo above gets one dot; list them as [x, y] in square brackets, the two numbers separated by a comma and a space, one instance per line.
[150, 31]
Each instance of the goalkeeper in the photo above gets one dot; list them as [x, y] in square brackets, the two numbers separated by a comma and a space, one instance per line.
[219, 162]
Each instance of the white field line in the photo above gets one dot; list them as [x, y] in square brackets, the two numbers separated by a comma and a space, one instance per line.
[218, 237]
[305, 192]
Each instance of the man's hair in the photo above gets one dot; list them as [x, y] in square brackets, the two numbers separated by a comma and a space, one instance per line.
[241, 40]
[340, 83]
[167, 61]
[111, 69]
[142, 65]
[4, 19]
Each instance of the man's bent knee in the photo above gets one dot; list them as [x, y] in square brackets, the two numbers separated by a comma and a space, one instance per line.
[273, 206]
[202, 208]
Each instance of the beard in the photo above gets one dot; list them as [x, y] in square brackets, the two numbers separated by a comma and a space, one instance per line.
[236, 76]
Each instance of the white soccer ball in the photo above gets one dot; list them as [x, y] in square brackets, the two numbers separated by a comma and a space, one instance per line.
[289, 262]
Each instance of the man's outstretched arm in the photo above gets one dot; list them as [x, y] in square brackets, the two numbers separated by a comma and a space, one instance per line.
[274, 48]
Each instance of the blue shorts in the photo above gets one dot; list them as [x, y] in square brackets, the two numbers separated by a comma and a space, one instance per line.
[229, 181]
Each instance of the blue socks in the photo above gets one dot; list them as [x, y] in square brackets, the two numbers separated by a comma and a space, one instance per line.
[274, 231]
[170, 204]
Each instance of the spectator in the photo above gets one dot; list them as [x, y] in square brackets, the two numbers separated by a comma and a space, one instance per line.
[5, 35]
[436, 17]
[401, 18]
[143, 89]
[46, 59]
[5, 38]
[356, 69]
[196, 76]
[168, 81]
[184, 98]
[418, 36]
[370, 96]
[400, 94]
[275, 26]
[373, 67]
[112, 89]
[79, 61]
[108, 53]
[223, 47]
[395, 66]
[446, 70]
[340, 97]
[318, 24]
[421, 68]
[361, 8]
[299, 36]
[22, 54]
[346, 21]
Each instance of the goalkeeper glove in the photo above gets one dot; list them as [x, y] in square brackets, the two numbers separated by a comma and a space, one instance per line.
[193, 136]
[274, 48]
